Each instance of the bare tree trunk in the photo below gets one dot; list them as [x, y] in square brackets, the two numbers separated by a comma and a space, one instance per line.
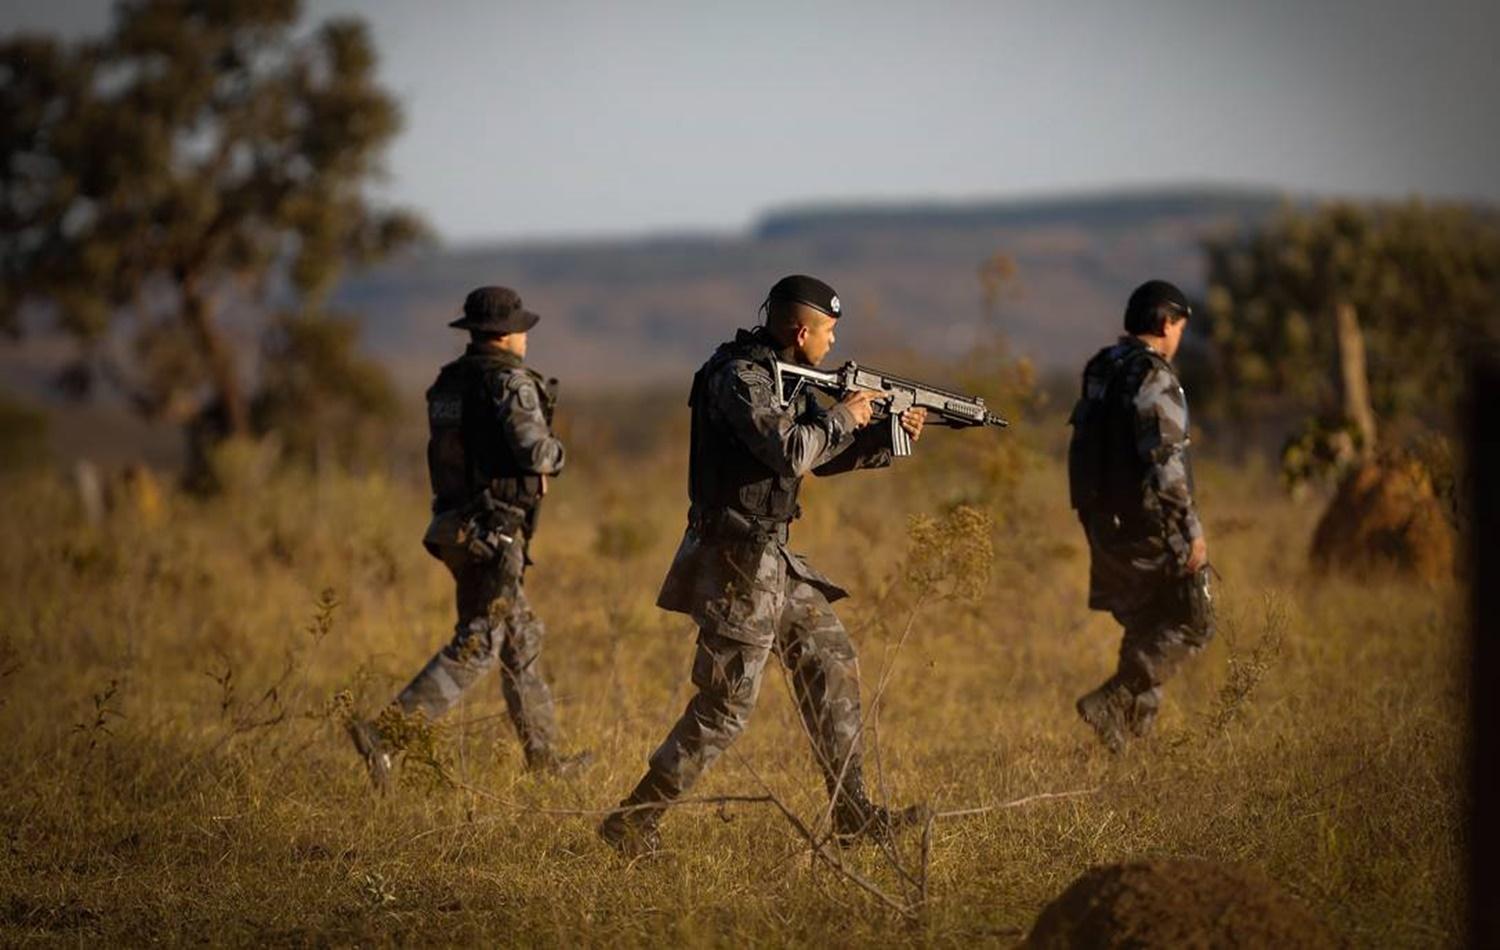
[1354, 381]
[221, 368]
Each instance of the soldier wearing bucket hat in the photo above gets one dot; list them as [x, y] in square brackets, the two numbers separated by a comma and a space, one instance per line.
[495, 310]
[490, 452]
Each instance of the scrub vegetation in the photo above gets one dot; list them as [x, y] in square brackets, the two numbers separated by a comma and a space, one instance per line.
[174, 677]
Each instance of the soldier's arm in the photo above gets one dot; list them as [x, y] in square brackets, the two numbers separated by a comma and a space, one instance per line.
[527, 433]
[869, 448]
[745, 398]
[1162, 441]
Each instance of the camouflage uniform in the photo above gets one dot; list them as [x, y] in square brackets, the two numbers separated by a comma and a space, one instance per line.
[490, 448]
[749, 595]
[1140, 536]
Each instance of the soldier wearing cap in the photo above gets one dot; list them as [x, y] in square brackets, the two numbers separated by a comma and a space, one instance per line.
[733, 574]
[490, 453]
[1131, 483]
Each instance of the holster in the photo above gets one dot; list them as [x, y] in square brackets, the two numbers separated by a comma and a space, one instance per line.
[482, 528]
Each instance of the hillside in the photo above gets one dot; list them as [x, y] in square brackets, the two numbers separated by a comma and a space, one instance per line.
[626, 312]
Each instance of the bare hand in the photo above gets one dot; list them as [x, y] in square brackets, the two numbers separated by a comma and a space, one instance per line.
[859, 405]
[912, 420]
[1198, 556]
[544, 486]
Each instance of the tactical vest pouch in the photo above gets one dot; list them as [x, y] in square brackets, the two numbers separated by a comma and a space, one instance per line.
[444, 532]
[550, 388]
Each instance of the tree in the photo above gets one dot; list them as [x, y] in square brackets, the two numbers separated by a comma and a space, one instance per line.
[199, 162]
[1354, 311]
[324, 403]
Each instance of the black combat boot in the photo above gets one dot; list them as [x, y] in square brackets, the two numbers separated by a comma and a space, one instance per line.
[631, 828]
[548, 762]
[371, 748]
[1107, 710]
[855, 817]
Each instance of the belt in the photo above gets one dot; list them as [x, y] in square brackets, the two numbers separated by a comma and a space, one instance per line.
[728, 524]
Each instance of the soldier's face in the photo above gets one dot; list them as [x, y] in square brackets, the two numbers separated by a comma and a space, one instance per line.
[1172, 337]
[814, 336]
[514, 343]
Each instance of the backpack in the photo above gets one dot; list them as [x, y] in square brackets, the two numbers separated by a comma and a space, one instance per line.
[1095, 453]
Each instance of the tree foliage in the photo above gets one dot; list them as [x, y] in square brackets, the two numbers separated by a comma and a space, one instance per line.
[1423, 279]
[324, 403]
[176, 176]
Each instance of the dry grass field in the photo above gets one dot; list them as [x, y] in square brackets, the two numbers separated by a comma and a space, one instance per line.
[172, 684]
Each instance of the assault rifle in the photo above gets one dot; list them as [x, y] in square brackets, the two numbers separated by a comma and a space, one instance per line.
[944, 408]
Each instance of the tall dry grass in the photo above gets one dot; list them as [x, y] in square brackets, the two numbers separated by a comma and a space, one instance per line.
[171, 691]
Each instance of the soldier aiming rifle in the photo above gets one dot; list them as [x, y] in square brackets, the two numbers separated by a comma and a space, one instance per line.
[756, 432]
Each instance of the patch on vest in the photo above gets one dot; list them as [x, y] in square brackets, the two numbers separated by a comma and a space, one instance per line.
[445, 409]
[526, 396]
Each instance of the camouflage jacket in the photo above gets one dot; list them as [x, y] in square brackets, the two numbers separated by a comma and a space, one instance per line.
[791, 441]
[1151, 541]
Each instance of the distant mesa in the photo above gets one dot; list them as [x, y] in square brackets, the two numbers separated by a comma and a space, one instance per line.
[1097, 210]
[630, 311]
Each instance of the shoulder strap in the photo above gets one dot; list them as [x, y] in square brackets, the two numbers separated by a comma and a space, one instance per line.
[1132, 362]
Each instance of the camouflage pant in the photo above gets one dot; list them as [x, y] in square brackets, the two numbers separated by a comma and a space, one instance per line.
[495, 626]
[1158, 638]
[728, 671]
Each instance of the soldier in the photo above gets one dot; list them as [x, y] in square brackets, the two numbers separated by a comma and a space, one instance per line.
[489, 455]
[733, 574]
[1131, 482]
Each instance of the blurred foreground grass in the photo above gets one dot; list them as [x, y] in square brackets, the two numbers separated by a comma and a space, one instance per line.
[170, 693]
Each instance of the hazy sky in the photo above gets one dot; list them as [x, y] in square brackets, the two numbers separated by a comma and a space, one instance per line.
[563, 118]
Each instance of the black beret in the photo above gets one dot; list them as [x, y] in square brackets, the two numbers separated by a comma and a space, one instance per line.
[495, 310]
[799, 288]
[1148, 298]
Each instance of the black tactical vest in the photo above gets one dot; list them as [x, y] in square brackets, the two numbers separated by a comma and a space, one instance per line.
[467, 451]
[722, 472]
[1105, 470]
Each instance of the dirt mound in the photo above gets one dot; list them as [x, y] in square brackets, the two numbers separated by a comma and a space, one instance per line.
[1179, 902]
[1386, 517]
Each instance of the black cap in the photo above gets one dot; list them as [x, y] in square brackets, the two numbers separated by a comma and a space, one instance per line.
[799, 288]
[495, 310]
[1148, 299]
